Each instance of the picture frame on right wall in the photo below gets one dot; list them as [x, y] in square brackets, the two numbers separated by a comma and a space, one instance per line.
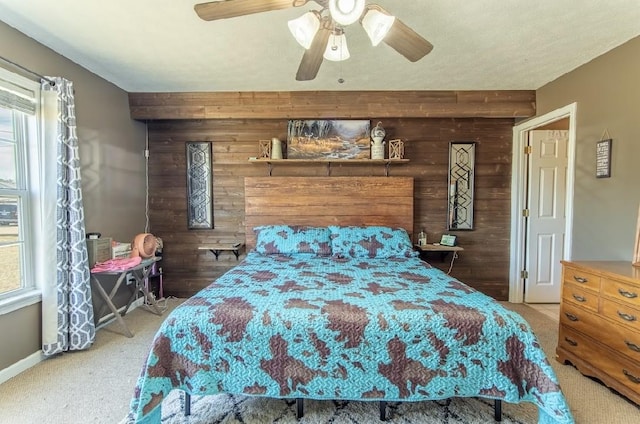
[636, 252]
[603, 158]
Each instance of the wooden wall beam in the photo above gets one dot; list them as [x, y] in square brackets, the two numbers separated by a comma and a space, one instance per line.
[186, 269]
[333, 104]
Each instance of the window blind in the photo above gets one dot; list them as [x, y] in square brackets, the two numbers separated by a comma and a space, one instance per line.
[13, 96]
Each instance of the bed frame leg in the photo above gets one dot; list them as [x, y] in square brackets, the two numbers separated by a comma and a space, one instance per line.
[383, 410]
[497, 410]
[187, 404]
[299, 408]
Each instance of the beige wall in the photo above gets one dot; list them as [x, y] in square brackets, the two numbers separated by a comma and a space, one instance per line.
[112, 156]
[607, 93]
[21, 334]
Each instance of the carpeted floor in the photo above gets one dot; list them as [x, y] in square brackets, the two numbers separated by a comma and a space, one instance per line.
[95, 387]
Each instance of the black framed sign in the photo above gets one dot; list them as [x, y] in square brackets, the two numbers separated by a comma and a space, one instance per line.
[603, 158]
[199, 186]
[462, 156]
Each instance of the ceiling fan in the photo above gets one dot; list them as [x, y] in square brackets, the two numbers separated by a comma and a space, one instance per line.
[321, 32]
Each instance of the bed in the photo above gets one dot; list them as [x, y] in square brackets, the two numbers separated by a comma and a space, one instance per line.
[326, 310]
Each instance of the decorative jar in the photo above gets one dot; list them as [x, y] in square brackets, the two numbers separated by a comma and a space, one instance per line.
[377, 145]
[276, 148]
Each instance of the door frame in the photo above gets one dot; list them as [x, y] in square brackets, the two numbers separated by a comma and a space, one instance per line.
[519, 193]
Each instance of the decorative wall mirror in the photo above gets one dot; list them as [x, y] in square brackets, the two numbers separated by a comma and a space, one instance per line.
[199, 186]
[460, 195]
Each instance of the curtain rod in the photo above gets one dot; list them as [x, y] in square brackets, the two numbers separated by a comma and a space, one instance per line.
[29, 71]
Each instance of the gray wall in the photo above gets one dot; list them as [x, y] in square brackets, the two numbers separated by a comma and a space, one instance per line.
[112, 156]
[607, 92]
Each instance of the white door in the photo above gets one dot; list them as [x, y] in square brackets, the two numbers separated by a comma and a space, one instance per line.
[546, 224]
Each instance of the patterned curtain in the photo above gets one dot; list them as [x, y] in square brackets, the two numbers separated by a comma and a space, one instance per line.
[67, 307]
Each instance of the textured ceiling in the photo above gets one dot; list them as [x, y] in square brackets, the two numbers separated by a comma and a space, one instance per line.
[162, 45]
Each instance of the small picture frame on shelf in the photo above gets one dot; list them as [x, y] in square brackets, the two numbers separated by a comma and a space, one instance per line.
[448, 240]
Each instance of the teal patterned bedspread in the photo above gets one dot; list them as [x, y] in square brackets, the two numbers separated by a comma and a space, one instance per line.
[304, 326]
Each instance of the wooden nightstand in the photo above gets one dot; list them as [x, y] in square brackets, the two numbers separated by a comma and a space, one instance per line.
[216, 248]
[442, 250]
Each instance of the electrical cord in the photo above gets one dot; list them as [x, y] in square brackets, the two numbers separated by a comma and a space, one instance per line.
[146, 177]
[162, 303]
[453, 258]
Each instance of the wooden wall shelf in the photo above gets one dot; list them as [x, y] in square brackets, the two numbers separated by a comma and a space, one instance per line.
[386, 162]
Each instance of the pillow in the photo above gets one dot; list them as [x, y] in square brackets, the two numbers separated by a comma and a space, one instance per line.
[370, 242]
[290, 240]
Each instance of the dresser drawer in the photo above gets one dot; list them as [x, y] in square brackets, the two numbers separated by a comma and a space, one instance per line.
[575, 294]
[622, 292]
[582, 320]
[617, 337]
[621, 313]
[586, 280]
[624, 371]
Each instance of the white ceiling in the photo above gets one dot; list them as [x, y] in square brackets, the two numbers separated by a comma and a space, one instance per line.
[162, 45]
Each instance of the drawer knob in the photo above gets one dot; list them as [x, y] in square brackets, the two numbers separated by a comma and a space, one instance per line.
[579, 298]
[571, 316]
[580, 280]
[632, 346]
[571, 342]
[626, 317]
[631, 377]
[627, 294]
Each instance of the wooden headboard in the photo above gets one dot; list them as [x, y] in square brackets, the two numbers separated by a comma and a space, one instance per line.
[323, 201]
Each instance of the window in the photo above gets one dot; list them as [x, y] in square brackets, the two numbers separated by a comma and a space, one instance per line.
[18, 188]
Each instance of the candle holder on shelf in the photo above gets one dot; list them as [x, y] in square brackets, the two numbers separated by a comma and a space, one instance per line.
[396, 149]
[264, 149]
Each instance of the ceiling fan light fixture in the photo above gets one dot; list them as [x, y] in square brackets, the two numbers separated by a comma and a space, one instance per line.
[346, 12]
[377, 25]
[305, 28]
[337, 49]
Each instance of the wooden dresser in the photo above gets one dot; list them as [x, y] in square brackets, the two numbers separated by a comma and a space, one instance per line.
[600, 323]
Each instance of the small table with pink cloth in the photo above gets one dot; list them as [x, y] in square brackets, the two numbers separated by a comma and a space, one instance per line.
[138, 269]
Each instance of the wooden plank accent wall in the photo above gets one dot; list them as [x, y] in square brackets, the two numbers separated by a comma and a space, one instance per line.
[484, 264]
[333, 104]
[324, 201]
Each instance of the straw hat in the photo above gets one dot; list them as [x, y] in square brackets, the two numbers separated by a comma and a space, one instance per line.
[144, 245]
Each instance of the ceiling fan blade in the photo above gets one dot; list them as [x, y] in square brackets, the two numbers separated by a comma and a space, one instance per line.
[215, 10]
[312, 58]
[407, 42]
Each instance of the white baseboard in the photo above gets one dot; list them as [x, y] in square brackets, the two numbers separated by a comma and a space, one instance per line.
[35, 358]
[138, 302]
[21, 366]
